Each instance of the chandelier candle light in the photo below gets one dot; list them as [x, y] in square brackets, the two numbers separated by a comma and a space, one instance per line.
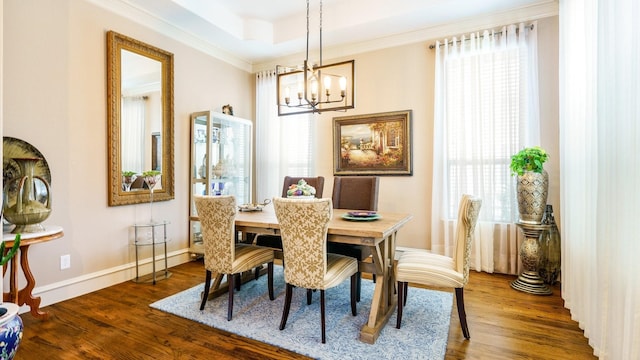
[337, 81]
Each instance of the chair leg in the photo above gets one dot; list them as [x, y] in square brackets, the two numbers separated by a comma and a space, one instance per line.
[405, 288]
[461, 313]
[257, 273]
[230, 279]
[322, 318]
[238, 281]
[354, 293]
[309, 293]
[358, 285]
[207, 285]
[401, 303]
[287, 306]
[270, 280]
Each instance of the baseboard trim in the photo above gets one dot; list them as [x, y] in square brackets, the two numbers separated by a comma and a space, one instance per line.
[84, 284]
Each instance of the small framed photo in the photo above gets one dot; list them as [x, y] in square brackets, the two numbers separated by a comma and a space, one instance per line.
[373, 144]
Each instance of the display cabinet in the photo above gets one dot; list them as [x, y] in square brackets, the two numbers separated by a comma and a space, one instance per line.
[221, 152]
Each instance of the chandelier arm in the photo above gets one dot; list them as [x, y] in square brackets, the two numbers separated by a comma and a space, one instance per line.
[310, 92]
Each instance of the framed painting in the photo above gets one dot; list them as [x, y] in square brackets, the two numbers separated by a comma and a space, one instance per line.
[373, 144]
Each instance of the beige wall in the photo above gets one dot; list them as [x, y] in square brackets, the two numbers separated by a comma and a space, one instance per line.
[402, 78]
[55, 98]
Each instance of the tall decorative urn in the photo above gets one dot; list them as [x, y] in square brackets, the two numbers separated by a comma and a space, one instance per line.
[532, 189]
[550, 250]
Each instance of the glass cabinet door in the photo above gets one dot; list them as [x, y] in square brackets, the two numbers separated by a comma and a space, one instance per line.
[220, 162]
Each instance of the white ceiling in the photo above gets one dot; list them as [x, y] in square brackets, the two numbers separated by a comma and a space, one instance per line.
[255, 33]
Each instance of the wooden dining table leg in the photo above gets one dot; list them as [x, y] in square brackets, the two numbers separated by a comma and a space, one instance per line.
[219, 288]
[382, 303]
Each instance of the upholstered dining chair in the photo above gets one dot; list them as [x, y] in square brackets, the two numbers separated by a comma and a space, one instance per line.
[222, 254]
[303, 227]
[425, 268]
[274, 241]
[354, 193]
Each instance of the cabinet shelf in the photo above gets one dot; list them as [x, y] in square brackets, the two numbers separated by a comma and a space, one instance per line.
[221, 153]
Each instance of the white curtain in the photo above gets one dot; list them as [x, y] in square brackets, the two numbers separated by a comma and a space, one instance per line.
[486, 109]
[284, 145]
[132, 134]
[600, 167]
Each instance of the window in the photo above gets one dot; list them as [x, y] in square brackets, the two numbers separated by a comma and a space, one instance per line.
[485, 111]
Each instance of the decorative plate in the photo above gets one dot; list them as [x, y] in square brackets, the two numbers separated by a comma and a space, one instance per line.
[250, 207]
[361, 213]
[361, 218]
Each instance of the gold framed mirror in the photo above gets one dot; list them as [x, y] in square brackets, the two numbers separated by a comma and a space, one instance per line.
[139, 120]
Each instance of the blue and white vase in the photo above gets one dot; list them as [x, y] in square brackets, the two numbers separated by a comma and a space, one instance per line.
[11, 328]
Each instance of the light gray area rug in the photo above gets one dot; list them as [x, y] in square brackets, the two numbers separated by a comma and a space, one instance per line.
[424, 332]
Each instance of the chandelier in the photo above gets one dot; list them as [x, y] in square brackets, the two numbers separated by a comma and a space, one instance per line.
[315, 88]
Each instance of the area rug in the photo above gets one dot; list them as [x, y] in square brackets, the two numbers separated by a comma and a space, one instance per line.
[424, 332]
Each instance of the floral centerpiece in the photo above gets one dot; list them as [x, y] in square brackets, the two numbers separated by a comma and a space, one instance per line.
[301, 190]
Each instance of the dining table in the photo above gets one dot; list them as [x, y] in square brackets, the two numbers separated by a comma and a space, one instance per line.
[378, 235]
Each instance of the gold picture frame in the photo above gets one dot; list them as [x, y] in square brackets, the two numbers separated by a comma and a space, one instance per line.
[373, 144]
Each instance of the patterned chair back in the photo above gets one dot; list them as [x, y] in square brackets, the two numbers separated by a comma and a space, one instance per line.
[303, 228]
[468, 212]
[217, 216]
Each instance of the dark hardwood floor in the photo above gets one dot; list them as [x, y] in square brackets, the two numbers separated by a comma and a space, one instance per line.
[117, 323]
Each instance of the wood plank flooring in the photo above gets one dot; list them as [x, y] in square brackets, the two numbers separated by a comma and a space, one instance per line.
[117, 323]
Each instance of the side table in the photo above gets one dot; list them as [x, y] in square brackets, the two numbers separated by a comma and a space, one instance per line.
[24, 296]
[529, 281]
[152, 241]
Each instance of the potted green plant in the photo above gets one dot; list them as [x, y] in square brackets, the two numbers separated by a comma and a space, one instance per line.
[533, 183]
[528, 159]
[11, 326]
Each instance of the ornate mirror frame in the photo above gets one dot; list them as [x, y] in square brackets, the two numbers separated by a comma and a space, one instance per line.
[117, 195]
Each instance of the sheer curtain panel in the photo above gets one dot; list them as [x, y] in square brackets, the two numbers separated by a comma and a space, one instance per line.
[486, 109]
[600, 165]
[132, 134]
[284, 145]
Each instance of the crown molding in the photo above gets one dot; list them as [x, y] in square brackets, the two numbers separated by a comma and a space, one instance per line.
[140, 16]
[463, 26]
